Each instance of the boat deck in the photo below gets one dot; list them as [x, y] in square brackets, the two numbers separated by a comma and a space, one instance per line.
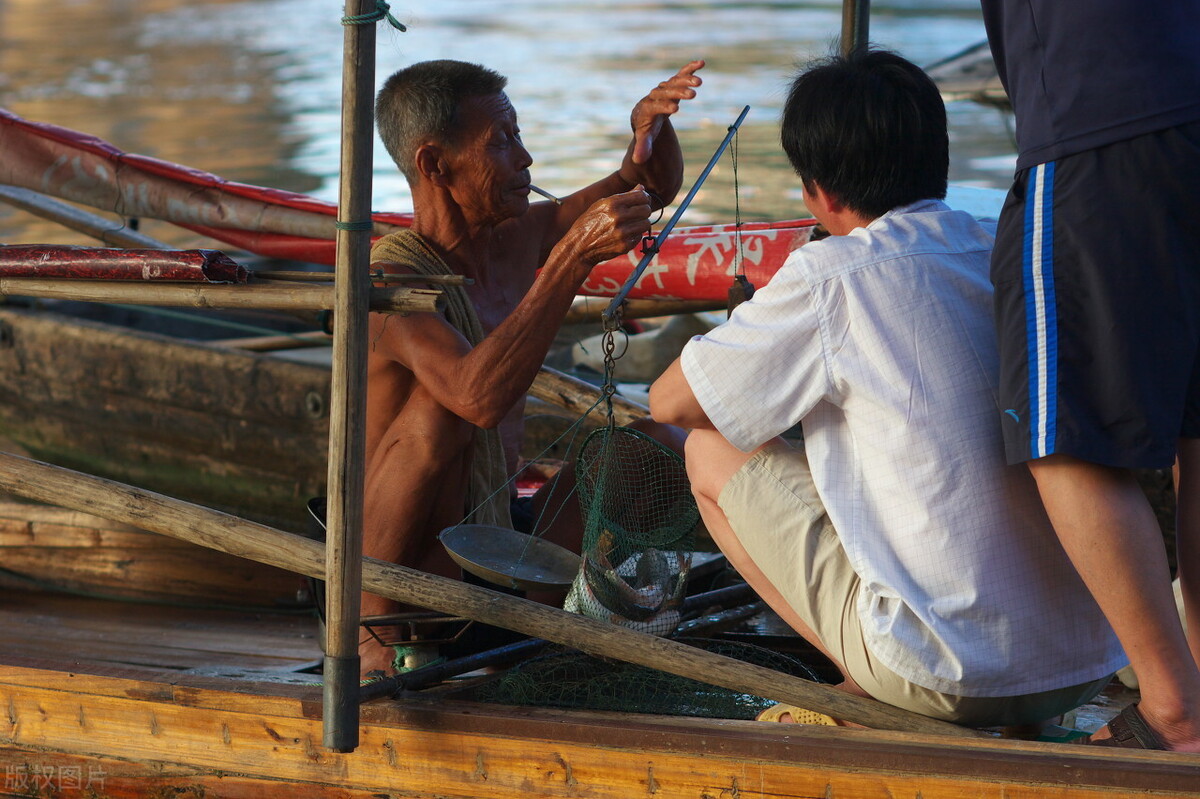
[126, 700]
[62, 628]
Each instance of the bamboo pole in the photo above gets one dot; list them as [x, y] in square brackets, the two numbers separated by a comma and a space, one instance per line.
[591, 309]
[283, 341]
[215, 530]
[376, 277]
[348, 387]
[856, 17]
[98, 227]
[577, 396]
[265, 296]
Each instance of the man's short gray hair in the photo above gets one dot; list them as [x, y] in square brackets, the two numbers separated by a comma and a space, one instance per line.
[420, 103]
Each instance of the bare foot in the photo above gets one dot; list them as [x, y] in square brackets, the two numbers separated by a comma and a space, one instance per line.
[374, 657]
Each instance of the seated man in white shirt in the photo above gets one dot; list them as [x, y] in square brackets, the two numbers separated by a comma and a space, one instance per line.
[894, 538]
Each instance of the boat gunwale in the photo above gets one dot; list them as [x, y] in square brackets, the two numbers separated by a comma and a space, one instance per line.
[833, 748]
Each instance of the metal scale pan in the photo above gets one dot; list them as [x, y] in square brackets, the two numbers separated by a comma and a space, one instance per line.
[510, 558]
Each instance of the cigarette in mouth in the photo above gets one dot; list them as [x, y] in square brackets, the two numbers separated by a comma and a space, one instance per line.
[545, 194]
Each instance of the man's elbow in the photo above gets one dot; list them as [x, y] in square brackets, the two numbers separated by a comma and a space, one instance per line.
[665, 406]
[483, 412]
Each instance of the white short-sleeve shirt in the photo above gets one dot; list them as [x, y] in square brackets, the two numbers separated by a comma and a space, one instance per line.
[880, 344]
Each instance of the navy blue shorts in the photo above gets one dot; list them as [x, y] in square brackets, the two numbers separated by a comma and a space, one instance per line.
[1097, 276]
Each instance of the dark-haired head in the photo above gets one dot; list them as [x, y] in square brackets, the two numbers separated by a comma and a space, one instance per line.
[420, 103]
[869, 129]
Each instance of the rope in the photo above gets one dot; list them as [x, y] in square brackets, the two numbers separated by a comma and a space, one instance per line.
[356, 227]
[382, 11]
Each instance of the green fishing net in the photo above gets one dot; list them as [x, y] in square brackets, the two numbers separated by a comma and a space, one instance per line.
[639, 519]
[569, 679]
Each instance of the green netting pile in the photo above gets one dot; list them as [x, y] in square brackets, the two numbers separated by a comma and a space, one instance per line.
[570, 679]
[639, 516]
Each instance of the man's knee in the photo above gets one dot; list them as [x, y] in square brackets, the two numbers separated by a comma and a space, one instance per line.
[711, 462]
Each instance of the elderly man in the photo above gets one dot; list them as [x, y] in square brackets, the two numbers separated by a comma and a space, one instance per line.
[446, 392]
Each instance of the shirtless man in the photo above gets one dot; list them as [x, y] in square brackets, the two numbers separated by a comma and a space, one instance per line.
[433, 393]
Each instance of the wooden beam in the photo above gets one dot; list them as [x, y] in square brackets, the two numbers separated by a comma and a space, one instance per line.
[260, 295]
[160, 514]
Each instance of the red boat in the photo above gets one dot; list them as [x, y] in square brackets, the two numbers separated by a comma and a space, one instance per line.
[695, 263]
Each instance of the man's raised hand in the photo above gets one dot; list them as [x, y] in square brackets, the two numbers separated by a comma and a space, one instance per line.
[654, 158]
[652, 110]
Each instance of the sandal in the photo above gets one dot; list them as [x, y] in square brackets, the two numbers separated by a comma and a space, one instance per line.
[799, 715]
[1130, 731]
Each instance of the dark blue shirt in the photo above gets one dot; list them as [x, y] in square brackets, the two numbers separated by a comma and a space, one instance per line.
[1085, 73]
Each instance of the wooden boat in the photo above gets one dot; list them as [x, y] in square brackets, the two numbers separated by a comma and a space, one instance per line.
[220, 703]
[227, 428]
[78, 554]
[134, 701]
[695, 263]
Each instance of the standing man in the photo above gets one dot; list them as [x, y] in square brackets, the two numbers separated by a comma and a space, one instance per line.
[1097, 275]
[894, 538]
[446, 392]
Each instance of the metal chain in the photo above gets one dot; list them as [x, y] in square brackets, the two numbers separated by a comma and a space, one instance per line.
[608, 343]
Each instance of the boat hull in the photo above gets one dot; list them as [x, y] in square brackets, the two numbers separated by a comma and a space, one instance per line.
[694, 263]
[239, 431]
[135, 733]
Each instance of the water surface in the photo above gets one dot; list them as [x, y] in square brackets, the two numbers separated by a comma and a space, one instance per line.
[250, 90]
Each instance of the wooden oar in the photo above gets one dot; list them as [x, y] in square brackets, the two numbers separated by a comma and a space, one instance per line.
[220, 531]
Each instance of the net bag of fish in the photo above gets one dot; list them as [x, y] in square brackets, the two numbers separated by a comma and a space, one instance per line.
[639, 519]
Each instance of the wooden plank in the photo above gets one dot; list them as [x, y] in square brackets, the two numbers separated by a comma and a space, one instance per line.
[79, 552]
[419, 750]
[73, 629]
[224, 428]
[91, 355]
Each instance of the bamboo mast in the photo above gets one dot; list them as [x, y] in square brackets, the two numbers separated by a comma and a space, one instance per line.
[347, 418]
[856, 16]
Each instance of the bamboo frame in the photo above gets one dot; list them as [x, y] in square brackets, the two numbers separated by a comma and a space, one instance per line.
[261, 295]
[177, 519]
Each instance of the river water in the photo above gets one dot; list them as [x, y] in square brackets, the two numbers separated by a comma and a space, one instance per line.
[250, 90]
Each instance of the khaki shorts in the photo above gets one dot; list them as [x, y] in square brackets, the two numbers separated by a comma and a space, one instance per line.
[774, 508]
